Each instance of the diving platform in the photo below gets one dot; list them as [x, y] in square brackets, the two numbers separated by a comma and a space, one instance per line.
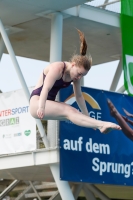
[33, 166]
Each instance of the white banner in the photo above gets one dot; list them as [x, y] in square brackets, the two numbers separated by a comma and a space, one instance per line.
[17, 126]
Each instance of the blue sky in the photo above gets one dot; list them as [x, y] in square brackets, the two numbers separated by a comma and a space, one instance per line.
[100, 76]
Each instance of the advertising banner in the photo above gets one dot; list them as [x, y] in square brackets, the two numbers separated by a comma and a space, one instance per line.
[86, 155]
[17, 126]
[127, 43]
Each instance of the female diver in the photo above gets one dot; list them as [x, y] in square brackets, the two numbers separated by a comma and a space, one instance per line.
[60, 75]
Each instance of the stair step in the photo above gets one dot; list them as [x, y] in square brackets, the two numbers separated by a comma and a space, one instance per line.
[41, 194]
[45, 186]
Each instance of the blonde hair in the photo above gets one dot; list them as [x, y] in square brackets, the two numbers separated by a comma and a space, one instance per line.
[82, 59]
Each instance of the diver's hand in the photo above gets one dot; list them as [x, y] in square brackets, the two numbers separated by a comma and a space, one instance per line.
[108, 126]
[40, 113]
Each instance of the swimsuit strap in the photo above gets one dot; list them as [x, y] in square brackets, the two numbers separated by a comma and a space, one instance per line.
[63, 69]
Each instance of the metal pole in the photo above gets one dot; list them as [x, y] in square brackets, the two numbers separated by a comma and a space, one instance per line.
[55, 196]
[104, 6]
[109, 3]
[35, 190]
[56, 37]
[96, 191]
[9, 188]
[116, 76]
[56, 55]
[76, 188]
[121, 89]
[2, 46]
[88, 194]
[63, 186]
[21, 78]
[28, 189]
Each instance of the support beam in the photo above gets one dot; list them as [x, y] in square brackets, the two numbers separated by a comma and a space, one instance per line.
[9, 188]
[76, 188]
[88, 194]
[96, 191]
[28, 189]
[21, 78]
[21, 196]
[63, 186]
[108, 3]
[116, 76]
[34, 190]
[121, 89]
[2, 46]
[56, 37]
[14, 60]
[55, 55]
[41, 194]
[46, 185]
[56, 196]
[95, 14]
[104, 5]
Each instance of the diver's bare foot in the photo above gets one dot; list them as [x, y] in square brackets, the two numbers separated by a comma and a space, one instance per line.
[109, 126]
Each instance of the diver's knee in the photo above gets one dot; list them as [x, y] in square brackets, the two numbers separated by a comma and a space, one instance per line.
[71, 111]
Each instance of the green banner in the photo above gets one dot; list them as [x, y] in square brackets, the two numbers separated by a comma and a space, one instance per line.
[127, 43]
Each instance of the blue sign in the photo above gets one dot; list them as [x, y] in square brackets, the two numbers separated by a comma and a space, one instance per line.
[86, 155]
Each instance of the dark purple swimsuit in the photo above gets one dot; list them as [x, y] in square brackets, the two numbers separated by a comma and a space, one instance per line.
[54, 90]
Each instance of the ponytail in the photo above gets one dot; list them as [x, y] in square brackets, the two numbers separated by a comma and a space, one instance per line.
[82, 59]
[83, 45]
